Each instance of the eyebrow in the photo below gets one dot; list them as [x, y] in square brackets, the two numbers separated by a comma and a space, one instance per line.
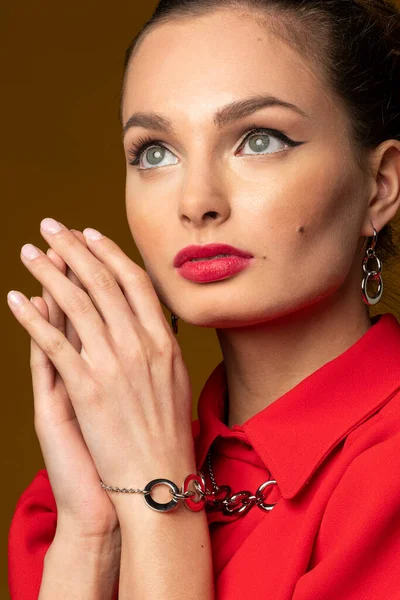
[224, 116]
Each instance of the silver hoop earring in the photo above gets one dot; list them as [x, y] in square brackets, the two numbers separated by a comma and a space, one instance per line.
[174, 323]
[373, 275]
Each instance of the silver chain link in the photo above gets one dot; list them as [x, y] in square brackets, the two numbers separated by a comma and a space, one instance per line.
[238, 504]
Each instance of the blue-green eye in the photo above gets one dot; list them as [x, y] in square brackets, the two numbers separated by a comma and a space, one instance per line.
[154, 151]
[259, 141]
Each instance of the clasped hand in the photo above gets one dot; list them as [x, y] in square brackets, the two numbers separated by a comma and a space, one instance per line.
[122, 411]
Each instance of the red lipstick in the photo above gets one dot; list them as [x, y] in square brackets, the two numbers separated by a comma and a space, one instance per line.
[208, 264]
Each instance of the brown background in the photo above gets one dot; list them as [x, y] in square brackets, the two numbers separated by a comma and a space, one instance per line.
[61, 157]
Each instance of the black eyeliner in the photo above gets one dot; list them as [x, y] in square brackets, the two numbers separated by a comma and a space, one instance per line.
[143, 143]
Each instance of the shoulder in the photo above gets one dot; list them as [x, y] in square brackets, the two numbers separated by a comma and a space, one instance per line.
[374, 447]
[366, 498]
[357, 545]
[377, 427]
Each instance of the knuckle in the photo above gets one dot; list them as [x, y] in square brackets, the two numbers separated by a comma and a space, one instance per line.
[39, 364]
[29, 317]
[137, 356]
[68, 240]
[41, 263]
[107, 372]
[54, 345]
[166, 346]
[92, 391]
[103, 279]
[78, 301]
[138, 277]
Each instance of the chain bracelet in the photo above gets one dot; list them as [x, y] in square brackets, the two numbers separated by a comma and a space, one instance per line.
[185, 495]
[219, 499]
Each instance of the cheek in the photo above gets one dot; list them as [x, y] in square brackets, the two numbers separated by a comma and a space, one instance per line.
[145, 223]
[149, 245]
[318, 210]
[310, 223]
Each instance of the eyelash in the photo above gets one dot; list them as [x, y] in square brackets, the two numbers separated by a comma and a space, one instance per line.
[143, 143]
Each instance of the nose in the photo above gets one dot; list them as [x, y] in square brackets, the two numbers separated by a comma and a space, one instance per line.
[204, 197]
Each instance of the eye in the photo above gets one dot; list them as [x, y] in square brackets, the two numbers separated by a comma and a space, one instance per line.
[259, 141]
[154, 151]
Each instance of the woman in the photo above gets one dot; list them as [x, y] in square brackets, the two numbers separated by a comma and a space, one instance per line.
[274, 127]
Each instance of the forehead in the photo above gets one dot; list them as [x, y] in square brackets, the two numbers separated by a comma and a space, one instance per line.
[186, 69]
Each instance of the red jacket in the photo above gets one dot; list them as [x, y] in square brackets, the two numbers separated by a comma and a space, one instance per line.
[332, 443]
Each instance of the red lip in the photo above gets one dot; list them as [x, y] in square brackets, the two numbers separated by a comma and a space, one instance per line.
[207, 251]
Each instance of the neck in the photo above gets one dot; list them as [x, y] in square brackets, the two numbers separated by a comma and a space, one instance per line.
[266, 360]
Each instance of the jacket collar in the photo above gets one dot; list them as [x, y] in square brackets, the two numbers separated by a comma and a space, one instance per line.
[295, 433]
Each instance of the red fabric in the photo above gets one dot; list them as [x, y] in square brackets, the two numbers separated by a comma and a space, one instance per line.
[332, 443]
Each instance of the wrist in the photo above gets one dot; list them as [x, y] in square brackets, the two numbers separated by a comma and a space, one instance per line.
[126, 504]
[78, 568]
[71, 534]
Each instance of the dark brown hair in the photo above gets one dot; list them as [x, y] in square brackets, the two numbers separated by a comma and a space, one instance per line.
[353, 44]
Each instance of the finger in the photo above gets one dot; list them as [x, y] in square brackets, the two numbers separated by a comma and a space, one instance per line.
[72, 300]
[44, 377]
[70, 331]
[68, 328]
[135, 282]
[56, 315]
[95, 276]
[42, 369]
[70, 365]
[76, 280]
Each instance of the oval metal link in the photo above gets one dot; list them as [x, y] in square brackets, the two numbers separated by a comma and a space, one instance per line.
[372, 274]
[197, 503]
[239, 506]
[218, 497]
[239, 503]
[260, 495]
[378, 270]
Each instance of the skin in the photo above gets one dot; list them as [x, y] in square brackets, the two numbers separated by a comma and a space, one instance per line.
[302, 212]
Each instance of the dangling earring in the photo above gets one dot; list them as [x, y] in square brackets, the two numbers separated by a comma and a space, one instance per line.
[374, 275]
[174, 323]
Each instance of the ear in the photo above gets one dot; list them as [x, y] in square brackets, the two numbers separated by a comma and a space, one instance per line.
[385, 198]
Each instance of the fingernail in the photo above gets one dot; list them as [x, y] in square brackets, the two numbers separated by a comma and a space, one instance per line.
[30, 251]
[92, 234]
[51, 225]
[15, 298]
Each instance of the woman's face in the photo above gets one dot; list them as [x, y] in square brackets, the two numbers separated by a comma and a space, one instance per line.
[298, 210]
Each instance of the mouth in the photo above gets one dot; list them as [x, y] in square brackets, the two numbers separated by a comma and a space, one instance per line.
[213, 268]
[209, 257]
[196, 253]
